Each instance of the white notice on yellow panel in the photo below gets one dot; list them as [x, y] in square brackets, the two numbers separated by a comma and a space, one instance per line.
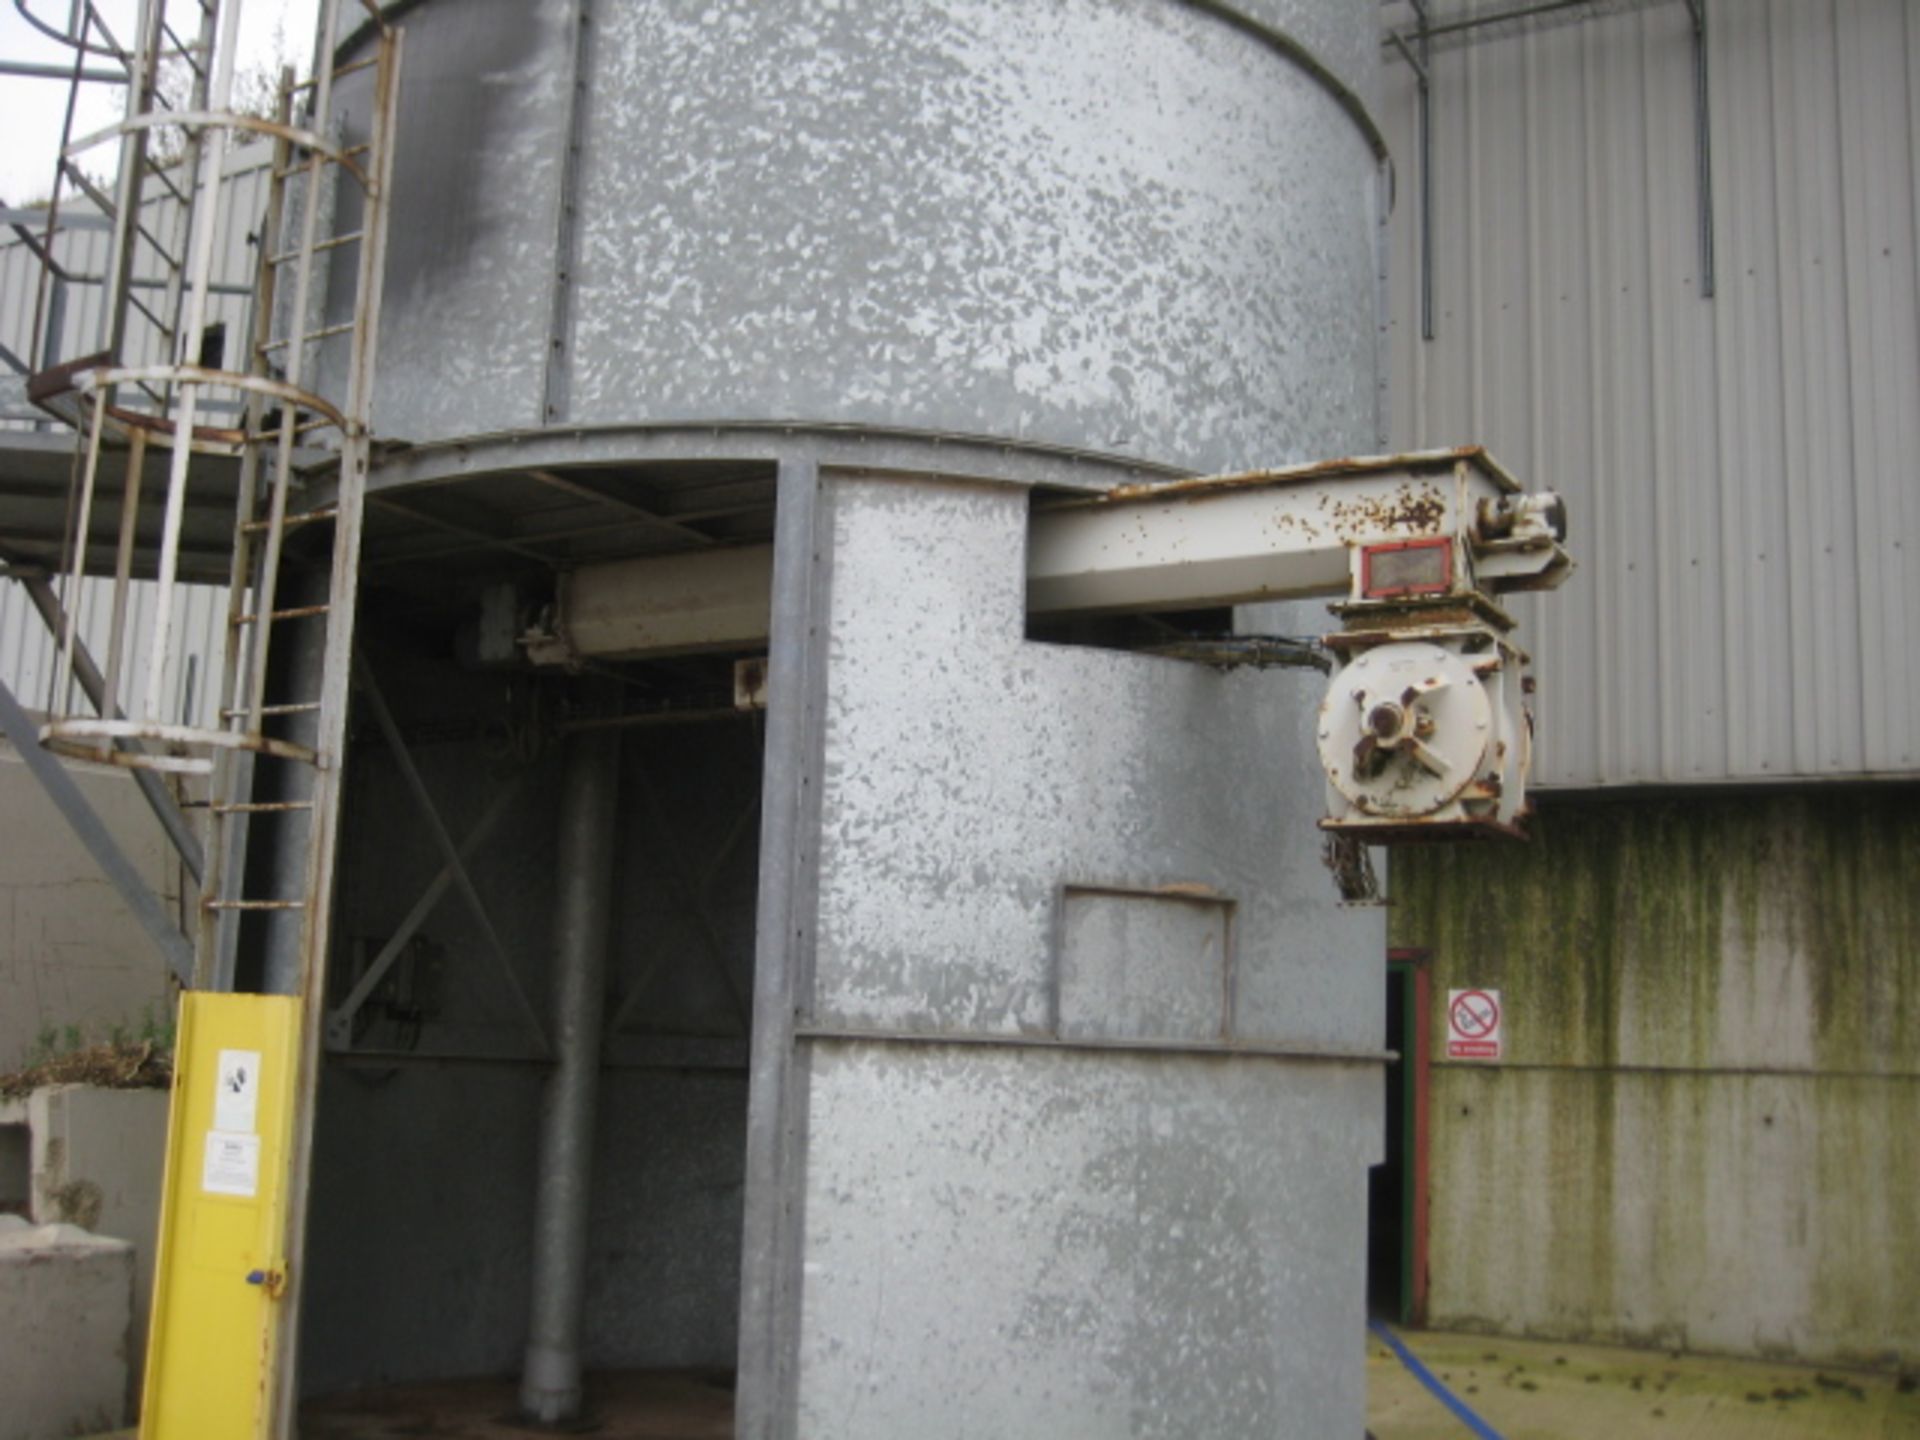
[236, 1094]
[232, 1165]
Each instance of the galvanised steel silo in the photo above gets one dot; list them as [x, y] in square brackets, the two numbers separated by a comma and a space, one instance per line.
[1145, 228]
[1063, 1074]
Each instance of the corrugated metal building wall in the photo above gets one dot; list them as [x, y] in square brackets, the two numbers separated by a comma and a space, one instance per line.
[82, 252]
[1741, 469]
[1697, 1135]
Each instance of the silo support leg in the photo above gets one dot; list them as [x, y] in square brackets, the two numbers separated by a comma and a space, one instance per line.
[550, 1384]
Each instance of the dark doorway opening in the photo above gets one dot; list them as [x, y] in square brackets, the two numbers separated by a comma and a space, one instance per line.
[1396, 1200]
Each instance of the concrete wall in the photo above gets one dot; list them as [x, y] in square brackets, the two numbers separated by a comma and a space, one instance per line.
[70, 953]
[64, 1297]
[1707, 1127]
[98, 1157]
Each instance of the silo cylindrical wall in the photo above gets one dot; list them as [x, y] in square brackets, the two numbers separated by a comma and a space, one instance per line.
[1141, 227]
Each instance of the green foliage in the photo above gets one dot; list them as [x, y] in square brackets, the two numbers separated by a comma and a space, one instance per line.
[58, 1042]
[157, 1031]
[117, 1059]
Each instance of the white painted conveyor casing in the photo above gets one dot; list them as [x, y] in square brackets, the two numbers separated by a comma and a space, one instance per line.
[1185, 544]
[659, 605]
[1426, 729]
[1280, 534]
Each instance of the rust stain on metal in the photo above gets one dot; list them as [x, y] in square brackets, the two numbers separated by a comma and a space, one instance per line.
[1418, 509]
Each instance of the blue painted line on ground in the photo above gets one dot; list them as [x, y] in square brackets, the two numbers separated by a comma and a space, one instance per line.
[1427, 1378]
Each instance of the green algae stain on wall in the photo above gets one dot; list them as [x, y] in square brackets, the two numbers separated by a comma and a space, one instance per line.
[1603, 934]
[1613, 933]
[1712, 1020]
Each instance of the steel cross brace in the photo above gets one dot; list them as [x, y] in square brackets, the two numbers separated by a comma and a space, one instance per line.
[340, 1018]
[693, 894]
[449, 852]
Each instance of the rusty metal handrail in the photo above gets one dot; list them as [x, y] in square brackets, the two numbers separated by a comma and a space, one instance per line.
[105, 377]
[221, 119]
[71, 737]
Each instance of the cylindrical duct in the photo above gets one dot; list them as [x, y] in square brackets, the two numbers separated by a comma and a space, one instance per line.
[550, 1384]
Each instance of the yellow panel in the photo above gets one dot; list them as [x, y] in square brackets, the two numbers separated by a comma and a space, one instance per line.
[220, 1266]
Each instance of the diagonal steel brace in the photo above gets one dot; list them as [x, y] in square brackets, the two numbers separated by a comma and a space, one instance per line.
[449, 852]
[340, 1018]
[92, 833]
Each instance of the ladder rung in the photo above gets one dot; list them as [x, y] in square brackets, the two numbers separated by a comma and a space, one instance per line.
[323, 333]
[344, 238]
[159, 172]
[310, 517]
[183, 51]
[337, 73]
[305, 707]
[166, 256]
[254, 904]
[297, 612]
[262, 807]
[102, 201]
[300, 168]
[148, 311]
[95, 22]
[305, 427]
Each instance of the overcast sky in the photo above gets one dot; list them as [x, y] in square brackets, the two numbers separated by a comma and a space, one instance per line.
[31, 110]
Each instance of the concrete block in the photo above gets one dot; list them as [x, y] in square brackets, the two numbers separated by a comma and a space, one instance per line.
[66, 1302]
[97, 1162]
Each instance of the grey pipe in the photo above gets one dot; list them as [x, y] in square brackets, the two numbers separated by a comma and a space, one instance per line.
[550, 1385]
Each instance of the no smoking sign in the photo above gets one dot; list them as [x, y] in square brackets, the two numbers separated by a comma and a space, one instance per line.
[1473, 1025]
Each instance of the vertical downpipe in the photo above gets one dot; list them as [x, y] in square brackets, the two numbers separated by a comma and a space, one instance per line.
[550, 1385]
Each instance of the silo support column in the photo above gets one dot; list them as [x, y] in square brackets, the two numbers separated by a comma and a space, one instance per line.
[550, 1385]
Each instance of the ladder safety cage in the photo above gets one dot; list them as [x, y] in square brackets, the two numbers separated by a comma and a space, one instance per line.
[250, 433]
